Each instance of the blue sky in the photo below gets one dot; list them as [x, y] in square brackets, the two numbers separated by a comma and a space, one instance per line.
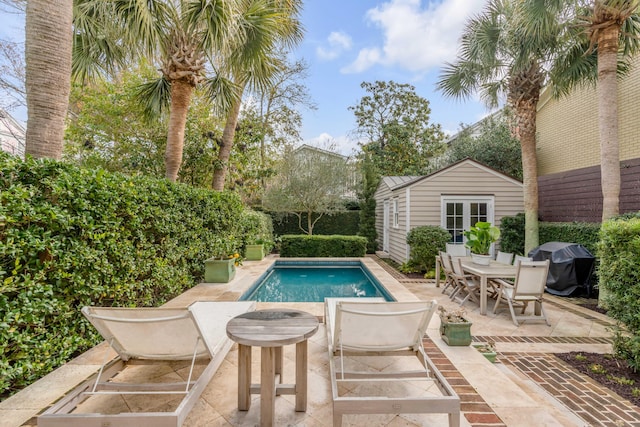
[348, 42]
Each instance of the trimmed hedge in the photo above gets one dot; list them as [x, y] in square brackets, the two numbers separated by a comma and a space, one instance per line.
[71, 237]
[343, 223]
[619, 276]
[583, 233]
[302, 245]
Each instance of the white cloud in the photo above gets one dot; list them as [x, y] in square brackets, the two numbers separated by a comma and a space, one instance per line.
[416, 37]
[338, 42]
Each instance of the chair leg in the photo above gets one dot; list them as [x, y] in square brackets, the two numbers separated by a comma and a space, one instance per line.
[495, 306]
[513, 313]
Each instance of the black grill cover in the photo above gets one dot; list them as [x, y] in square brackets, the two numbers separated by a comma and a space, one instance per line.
[570, 267]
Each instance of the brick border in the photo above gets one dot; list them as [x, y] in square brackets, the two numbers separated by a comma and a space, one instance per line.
[474, 408]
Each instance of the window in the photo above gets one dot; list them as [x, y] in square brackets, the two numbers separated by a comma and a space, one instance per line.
[396, 215]
[460, 212]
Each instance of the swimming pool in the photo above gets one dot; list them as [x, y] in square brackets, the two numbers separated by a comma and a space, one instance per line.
[313, 281]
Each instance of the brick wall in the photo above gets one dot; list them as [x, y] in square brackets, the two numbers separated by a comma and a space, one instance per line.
[567, 128]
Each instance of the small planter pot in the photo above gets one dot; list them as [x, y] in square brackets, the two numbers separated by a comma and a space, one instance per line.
[254, 252]
[456, 334]
[490, 355]
[481, 259]
[219, 270]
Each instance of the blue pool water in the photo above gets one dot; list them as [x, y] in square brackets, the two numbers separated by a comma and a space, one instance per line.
[313, 281]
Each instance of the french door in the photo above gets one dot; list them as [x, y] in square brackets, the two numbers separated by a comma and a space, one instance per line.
[459, 213]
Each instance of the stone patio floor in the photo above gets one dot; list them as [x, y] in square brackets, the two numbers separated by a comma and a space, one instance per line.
[527, 386]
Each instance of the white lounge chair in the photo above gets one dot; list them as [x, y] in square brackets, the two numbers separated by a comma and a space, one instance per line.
[365, 327]
[149, 336]
[531, 279]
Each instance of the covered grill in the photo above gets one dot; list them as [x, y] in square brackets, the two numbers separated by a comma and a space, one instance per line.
[570, 267]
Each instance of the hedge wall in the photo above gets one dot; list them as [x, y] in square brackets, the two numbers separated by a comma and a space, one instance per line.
[301, 245]
[71, 237]
[583, 233]
[344, 223]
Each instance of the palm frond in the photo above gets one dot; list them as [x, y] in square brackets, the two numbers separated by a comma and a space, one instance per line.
[212, 20]
[223, 92]
[155, 97]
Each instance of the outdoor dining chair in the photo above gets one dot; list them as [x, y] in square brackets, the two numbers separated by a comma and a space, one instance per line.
[450, 281]
[504, 257]
[531, 279]
[467, 284]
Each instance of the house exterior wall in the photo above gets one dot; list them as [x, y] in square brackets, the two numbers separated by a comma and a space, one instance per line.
[382, 193]
[569, 152]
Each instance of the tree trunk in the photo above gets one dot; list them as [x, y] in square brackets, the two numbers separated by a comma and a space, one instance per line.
[48, 44]
[180, 99]
[526, 119]
[608, 120]
[222, 163]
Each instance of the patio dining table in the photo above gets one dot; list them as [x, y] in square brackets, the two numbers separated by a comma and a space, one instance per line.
[495, 270]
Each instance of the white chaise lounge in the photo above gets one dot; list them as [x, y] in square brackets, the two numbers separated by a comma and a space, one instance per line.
[149, 336]
[363, 327]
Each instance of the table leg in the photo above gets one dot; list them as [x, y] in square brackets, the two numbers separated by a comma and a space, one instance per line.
[244, 377]
[301, 376]
[437, 271]
[268, 386]
[278, 361]
[483, 295]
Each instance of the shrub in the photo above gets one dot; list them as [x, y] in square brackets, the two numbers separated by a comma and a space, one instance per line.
[71, 237]
[426, 242]
[619, 276]
[302, 245]
[257, 229]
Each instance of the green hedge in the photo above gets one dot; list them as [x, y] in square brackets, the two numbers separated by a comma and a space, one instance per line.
[71, 237]
[344, 223]
[322, 246]
[619, 277]
[583, 233]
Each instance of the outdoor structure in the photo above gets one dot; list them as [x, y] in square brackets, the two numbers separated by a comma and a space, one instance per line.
[453, 198]
[569, 152]
[12, 135]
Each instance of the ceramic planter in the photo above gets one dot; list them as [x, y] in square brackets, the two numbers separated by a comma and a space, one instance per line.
[481, 259]
[456, 334]
[490, 355]
[219, 270]
[254, 252]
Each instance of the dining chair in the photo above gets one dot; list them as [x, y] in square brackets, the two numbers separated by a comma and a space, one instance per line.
[454, 249]
[504, 257]
[450, 282]
[531, 279]
[466, 283]
[519, 258]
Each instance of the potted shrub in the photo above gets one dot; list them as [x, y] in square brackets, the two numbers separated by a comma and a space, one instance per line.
[455, 329]
[488, 350]
[256, 249]
[221, 267]
[479, 240]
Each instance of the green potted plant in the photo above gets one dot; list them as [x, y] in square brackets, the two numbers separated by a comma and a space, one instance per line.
[221, 267]
[455, 329]
[479, 240]
[488, 350]
[256, 249]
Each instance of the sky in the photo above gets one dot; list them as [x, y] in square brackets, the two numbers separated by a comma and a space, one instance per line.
[348, 42]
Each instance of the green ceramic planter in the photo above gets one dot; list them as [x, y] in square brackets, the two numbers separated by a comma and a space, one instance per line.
[489, 355]
[219, 270]
[456, 334]
[254, 252]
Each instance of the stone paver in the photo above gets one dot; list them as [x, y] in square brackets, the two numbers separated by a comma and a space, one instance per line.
[527, 387]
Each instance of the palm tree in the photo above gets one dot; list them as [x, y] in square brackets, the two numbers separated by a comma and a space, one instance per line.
[186, 36]
[612, 23]
[253, 62]
[48, 41]
[603, 36]
[496, 59]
